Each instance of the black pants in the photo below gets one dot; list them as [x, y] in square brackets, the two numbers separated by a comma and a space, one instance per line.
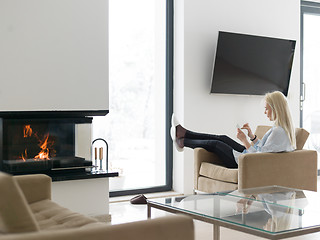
[219, 144]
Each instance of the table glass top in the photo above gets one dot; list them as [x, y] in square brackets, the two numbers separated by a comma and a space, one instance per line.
[270, 209]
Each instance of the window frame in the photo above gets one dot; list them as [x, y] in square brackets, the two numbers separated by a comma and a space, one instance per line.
[168, 110]
[307, 7]
[311, 8]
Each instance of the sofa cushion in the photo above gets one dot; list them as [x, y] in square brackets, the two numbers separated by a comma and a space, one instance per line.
[15, 214]
[210, 185]
[219, 172]
[33, 194]
[50, 216]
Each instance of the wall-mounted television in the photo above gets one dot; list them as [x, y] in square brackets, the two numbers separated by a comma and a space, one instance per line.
[252, 65]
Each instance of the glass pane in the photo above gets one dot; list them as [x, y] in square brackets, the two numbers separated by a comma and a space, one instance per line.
[135, 126]
[268, 209]
[311, 76]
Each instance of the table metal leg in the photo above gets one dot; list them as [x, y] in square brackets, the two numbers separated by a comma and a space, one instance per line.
[216, 213]
[216, 232]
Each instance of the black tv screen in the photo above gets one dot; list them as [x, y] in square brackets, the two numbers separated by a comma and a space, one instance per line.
[252, 65]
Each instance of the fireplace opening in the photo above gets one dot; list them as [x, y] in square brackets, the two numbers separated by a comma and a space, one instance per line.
[38, 145]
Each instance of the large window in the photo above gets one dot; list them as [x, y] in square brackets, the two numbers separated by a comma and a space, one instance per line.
[140, 79]
[310, 73]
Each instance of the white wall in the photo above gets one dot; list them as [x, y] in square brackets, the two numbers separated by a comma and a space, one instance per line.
[53, 55]
[196, 30]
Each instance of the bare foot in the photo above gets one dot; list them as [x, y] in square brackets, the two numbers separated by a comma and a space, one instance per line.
[180, 132]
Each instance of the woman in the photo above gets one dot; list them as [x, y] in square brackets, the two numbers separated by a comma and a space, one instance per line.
[280, 138]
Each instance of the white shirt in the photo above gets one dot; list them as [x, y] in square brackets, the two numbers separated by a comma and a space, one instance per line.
[275, 140]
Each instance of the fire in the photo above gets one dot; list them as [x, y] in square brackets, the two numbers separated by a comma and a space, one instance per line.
[44, 153]
[27, 131]
[24, 155]
[44, 143]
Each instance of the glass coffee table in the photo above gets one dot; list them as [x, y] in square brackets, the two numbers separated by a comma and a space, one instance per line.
[272, 212]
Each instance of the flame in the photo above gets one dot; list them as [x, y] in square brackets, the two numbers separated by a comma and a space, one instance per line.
[44, 153]
[27, 131]
[24, 155]
[44, 145]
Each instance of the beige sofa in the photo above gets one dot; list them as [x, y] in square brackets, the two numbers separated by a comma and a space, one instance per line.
[27, 213]
[297, 169]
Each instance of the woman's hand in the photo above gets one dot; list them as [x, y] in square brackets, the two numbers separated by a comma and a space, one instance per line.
[247, 127]
[243, 138]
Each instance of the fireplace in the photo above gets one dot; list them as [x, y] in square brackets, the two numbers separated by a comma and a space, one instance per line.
[42, 145]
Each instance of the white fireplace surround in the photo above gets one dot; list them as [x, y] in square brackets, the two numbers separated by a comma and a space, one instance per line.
[54, 55]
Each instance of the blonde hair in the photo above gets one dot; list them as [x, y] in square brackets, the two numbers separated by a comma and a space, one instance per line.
[281, 114]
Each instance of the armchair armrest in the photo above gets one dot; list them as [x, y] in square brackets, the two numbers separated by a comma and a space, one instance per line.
[35, 187]
[201, 155]
[296, 169]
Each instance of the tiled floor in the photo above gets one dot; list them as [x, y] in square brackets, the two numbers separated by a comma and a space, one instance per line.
[122, 211]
